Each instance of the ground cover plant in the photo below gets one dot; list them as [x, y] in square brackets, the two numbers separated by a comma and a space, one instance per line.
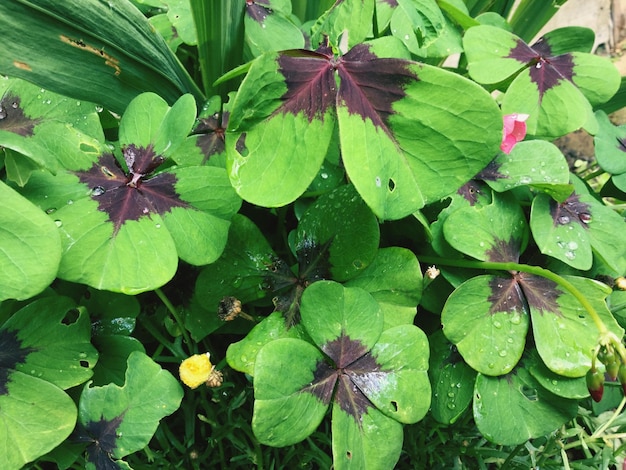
[304, 234]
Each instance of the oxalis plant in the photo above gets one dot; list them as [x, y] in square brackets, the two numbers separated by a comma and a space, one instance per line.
[343, 226]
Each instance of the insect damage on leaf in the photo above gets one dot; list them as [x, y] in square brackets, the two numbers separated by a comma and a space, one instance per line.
[368, 85]
[470, 191]
[546, 70]
[136, 194]
[11, 354]
[570, 210]
[12, 117]
[108, 59]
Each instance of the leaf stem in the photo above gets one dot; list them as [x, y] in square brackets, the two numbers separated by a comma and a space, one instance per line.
[170, 307]
[605, 334]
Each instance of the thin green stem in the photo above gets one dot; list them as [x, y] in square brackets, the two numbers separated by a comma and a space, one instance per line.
[170, 307]
[536, 270]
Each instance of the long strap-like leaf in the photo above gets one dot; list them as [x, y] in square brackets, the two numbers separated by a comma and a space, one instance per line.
[102, 51]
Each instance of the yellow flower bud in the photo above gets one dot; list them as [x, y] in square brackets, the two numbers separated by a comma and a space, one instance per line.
[196, 370]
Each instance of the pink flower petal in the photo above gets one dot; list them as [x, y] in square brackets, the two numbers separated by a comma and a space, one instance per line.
[514, 131]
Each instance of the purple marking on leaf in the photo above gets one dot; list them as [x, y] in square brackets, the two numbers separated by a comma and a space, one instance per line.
[391, 3]
[102, 436]
[370, 85]
[11, 354]
[310, 80]
[256, 10]
[351, 399]
[621, 144]
[491, 172]
[324, 381]
[470, 191]
[130, 197]
[546, 71]
[503, 252]
[12, 117]
[540, 293]
[506, 296]
[571, 210]
[213, 135]
[344, 351]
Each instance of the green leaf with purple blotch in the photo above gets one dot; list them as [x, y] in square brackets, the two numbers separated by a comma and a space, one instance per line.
[31, 247]
[495, 232]
[118, 420]
[530, 410]
[124, 222]
[409, 133]
[374, 379]
[531, 163]
[610, 149]
[341, 219]
[487, 319]
[555, 80]
[564, 332]
[578, 227]
[270, 26]
[44, 348]
[51, 130]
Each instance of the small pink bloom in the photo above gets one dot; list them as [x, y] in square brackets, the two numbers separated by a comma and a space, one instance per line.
[514, 131]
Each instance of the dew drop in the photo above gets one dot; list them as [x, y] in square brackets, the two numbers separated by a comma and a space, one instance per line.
[491, 365]
[324, 176]
[584, 217]
[451, 406]
[406, 37]
[497, 324]
[14, 105]
[516, 319]
[509, 340]
[357, 263]
[98, 191]
[51, 210]
[58, 223]
[563, 219]
[502, 353]
[451, 394]
[3, 113]
[70, 202]
[572, 245]
[538, 65]
[570, 255]
[525, 180]
[378, 182]
[158, 225]
[145, 210]
[99, 109]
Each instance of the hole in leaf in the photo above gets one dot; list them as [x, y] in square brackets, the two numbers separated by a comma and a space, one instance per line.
[391, 184]
[529, 392]
[348, 454]
[394, 404]
[84, 364]
[70, 316]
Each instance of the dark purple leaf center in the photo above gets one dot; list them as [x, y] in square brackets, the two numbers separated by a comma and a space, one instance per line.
[470, 191]
[136, 194]
[11, 354]
[521, 291]
[12, 117]
[503, 252]
[212, 132]
[571, 210]
[353, 375]
[491, 172]
[101, 436]
[313, 265]
[368, 85]
[257, 10]
[546, 70]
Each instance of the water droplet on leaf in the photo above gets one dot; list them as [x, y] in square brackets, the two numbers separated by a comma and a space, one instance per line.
[98, 191]
[58, 223]
[563, 219]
